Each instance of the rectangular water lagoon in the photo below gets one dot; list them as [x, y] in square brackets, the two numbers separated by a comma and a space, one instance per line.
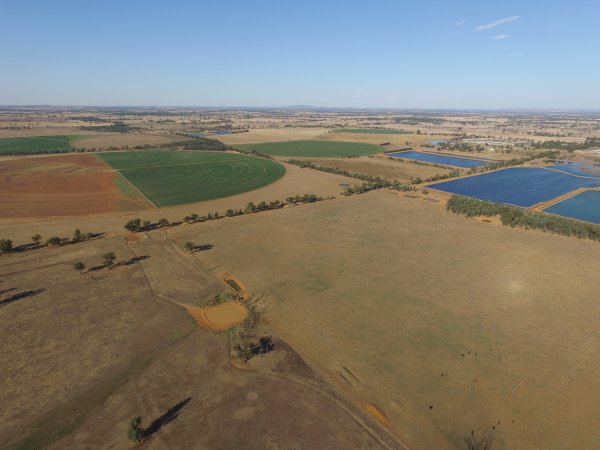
[583, 206]
[524, 186]
[580, 169]
[440, 159]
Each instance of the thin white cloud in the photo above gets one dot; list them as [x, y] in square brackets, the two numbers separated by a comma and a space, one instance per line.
[460, 23]
[495, 23]
[516, 54]
[501, 36]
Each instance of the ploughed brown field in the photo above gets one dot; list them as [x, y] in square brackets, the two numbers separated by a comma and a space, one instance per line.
[61, 185]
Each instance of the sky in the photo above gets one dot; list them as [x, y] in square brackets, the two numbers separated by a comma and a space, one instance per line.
[485, 54]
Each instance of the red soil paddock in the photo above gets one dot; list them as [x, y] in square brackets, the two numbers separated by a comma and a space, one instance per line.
[60, 185]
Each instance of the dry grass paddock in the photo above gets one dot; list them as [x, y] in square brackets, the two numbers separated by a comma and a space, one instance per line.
[84, 353]
[445, 324]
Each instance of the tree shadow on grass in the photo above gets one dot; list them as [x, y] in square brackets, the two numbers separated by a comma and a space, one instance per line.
[127, 262]
[133, 260]
[165, 419]
[265, 345]
[201, 248]
[20, 296]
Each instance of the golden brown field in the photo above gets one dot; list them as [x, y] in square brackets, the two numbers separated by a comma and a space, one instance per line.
[446, 324]
[393, 323]
[84, 353]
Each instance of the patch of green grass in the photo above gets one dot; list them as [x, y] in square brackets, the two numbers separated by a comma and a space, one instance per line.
[126, 188]
[174, 178]
[37, 144]
[372, 131]
[313, 149]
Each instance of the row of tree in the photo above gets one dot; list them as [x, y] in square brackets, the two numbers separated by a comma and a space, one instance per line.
[6, 245]
[550, 154]
[422, 163]
[117, 127]
[335, 170]
[137, 225]
[199, 143]
[372, 182]
[589, 142]
[371, 186]
[522, 218]
[254, 153]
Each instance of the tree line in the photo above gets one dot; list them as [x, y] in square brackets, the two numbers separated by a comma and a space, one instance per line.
[373, 182]
[117, 127]
[199, 143]
[589, 142]
[137, 225]
[522, 218]
[6, 245]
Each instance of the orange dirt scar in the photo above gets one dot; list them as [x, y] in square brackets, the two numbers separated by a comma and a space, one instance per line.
[219, 317]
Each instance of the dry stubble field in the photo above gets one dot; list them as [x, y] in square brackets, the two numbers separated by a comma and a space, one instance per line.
[446, 324]
[381, 167]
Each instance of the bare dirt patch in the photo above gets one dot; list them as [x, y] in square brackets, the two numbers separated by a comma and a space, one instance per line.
[219, 317]
[60, 185]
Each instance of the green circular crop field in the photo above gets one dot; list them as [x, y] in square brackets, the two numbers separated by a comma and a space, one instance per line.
[169, 178]
[313, 149]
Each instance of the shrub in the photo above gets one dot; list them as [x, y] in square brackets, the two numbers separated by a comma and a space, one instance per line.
[133, 225]
[135, 431]
[79, 266]
[54, 241]
[6, 245]
[108, 259]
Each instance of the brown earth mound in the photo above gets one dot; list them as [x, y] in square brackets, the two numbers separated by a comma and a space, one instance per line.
[60, 185]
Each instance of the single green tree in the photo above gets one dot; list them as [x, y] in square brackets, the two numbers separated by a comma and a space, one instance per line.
[189, 246]
[133, 225]
[163, 222]
[36, 238]
[135, 432]
[54, 241]
[194, 217]
[108, 259]
[79, 266]
[78, 235]
[6, 245]
[145, 224]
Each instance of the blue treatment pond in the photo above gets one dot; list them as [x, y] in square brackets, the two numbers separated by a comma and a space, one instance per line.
[517, 186]
[583, 206]
[580, 169]
[440, 159]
